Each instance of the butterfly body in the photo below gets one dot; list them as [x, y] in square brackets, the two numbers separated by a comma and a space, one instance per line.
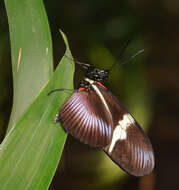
[94, 116]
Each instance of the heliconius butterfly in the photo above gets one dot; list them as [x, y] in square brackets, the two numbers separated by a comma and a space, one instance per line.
[95, 116]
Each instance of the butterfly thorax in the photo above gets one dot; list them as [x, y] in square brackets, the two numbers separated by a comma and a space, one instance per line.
[93, 76]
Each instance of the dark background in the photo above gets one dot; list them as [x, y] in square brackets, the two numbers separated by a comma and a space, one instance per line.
[148, 85]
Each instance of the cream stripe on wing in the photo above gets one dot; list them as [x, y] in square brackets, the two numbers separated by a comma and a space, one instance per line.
[119, 132]
[99, 93]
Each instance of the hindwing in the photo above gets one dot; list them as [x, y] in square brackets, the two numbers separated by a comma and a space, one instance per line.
[85, 117]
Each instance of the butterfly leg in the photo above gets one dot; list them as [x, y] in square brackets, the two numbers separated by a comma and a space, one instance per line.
[57, 118]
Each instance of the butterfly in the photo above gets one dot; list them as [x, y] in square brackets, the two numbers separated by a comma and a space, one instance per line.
[95, 116]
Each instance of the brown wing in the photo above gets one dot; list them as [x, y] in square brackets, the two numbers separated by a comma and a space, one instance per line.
[130, 148]
[84, 116]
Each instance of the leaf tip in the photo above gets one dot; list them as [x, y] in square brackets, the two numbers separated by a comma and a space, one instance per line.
[64, 37]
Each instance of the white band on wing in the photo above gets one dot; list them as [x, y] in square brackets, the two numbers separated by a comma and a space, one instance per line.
[119, 132]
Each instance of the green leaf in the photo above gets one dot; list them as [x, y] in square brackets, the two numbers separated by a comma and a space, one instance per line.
[31, 52]
[30, 152]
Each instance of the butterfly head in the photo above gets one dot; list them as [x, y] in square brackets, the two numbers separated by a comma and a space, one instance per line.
[97, 74]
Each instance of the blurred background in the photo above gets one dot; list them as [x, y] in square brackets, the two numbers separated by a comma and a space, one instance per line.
[148, 85]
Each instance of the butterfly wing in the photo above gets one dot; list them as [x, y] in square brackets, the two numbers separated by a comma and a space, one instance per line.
[129, 148]
[98, 119]
[85, 117]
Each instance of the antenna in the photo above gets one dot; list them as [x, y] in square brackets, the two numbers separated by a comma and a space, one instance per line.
[129, 59]
[121, 54]
[132, 57]
[84, 65]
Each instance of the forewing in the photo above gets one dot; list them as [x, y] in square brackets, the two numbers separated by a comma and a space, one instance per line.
[85, 117]
[129, 148]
